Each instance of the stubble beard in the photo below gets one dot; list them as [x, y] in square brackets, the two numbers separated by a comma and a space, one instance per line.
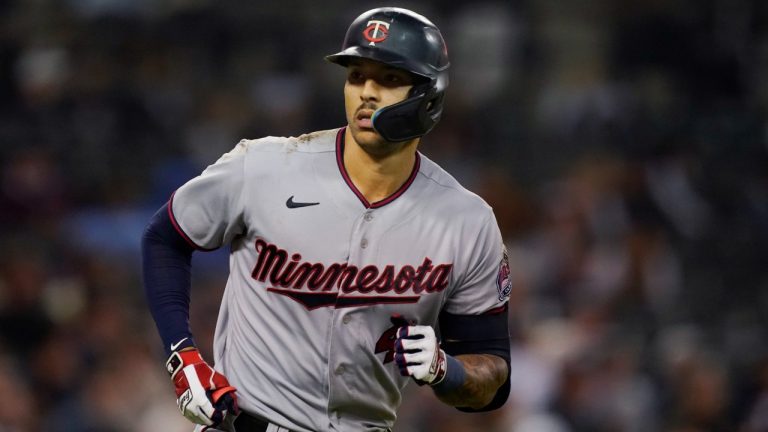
[374, 144]
[370, 140]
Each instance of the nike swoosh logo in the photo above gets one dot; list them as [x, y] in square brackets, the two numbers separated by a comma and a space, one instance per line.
[292, 204]
[176, 345]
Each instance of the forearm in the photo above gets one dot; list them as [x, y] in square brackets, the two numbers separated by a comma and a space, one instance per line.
[484, 375]
[167, 280]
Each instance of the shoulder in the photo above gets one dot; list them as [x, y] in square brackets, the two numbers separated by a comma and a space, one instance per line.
[448, 194]
[313, 142]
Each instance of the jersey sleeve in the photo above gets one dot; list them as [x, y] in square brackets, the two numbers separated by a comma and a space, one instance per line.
[208, 210]
[485, 284]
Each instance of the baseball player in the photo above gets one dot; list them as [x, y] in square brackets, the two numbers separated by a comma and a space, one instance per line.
[357, 264]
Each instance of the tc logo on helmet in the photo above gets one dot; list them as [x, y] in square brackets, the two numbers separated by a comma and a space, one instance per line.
[376, 31]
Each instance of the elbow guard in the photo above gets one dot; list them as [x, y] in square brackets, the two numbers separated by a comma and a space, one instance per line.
[479, 334]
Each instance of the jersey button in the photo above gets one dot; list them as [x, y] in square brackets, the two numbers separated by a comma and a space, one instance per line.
[346, 319]
[368, 217]
[340, 370]
[364, 243]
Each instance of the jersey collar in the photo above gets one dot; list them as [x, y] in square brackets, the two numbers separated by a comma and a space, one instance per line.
[348, 180]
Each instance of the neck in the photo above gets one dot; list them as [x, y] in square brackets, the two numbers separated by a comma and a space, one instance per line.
[378, 176]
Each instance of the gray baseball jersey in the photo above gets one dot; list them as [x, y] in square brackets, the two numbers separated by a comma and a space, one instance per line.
[316, 272]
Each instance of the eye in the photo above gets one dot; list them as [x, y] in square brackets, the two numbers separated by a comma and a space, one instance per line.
[354, 76]
[393, 78]
[396, 78]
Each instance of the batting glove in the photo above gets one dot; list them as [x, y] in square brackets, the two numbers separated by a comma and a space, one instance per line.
[204, 396]
[418, 354]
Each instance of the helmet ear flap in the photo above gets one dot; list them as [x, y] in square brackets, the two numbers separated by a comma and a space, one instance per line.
[410, 118]
[434, 106]
[401, 121]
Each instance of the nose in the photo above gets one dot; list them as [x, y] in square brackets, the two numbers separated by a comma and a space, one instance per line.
[370, 91]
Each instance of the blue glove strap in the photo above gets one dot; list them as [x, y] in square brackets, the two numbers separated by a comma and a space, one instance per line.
[454, 376]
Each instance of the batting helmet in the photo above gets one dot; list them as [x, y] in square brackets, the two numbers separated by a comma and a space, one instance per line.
[405, 40]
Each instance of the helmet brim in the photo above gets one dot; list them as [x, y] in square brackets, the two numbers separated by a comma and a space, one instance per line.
[387, 57]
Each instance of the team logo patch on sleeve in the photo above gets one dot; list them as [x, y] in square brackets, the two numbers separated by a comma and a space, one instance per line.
[503, 281]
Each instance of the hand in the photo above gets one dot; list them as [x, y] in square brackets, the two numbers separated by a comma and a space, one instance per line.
[204, 396]
[418, 354]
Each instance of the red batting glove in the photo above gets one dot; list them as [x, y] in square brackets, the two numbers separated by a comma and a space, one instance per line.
[204, 396]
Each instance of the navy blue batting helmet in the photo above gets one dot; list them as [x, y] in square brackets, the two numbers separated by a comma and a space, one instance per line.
[405, 40]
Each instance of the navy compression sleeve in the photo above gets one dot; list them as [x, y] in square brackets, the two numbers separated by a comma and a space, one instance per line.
[167, 269]
[479, 334]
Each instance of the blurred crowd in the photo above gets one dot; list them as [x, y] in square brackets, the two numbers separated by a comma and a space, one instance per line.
[623, 146]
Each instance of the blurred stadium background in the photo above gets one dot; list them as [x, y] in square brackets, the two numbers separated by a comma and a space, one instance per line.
[622, 143]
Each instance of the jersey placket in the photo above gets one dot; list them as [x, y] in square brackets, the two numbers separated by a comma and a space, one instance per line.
[350, 373]
[342, 360]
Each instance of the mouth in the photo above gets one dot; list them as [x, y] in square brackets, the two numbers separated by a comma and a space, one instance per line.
[363, 118]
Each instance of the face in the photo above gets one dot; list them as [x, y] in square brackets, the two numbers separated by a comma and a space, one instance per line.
[370, 86]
